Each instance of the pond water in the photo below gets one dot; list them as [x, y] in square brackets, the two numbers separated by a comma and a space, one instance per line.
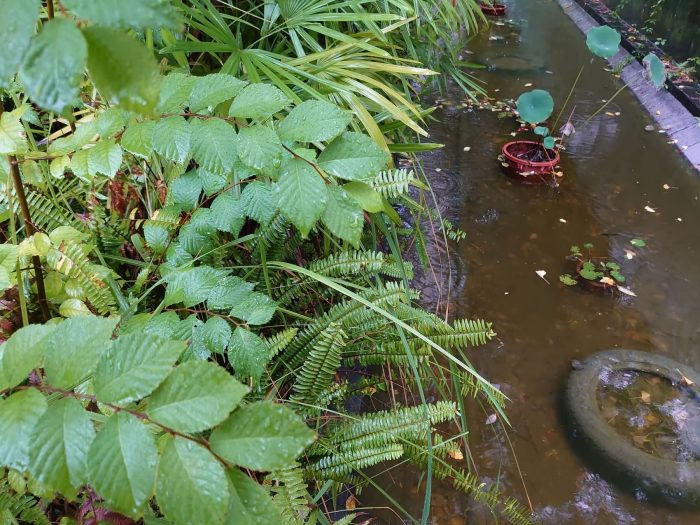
[620, 183]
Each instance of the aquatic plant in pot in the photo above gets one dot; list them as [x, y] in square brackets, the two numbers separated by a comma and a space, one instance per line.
[599, 273]
[535, 158]
[492, 8]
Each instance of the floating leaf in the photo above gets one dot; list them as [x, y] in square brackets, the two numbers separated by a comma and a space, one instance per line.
[639, 243]
[542, 131]
[535, 106]
[626, 291]
[549, 142]
[603, 41]
[568, 280]
[655, 69]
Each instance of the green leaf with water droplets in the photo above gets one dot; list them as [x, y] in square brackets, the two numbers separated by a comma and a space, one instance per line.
[313, 121]
[191, 486]
[105, 158]
[248, 355]
[251, 503]
[301, 194]
[19, 413]
[258, 101]
[353, 156]
[260, 148]
[196, 396]
[262, 436]
[126, 14]
[23, 352]
[122, 464]
[214, 145]
[133, 366]
[138, 139]
[211, 90]
[171, 138]
[343, 216]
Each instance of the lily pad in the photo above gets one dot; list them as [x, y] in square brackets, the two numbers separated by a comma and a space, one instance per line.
[655, 69]
[603, 41]
[535, 106]
[542, 131]
[639, 243]
[549, 142]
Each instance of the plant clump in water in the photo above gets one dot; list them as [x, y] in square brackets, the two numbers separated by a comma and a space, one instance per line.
[655, 415]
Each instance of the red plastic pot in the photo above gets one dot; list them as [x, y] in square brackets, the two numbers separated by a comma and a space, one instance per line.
[513, 156]
[493, 9]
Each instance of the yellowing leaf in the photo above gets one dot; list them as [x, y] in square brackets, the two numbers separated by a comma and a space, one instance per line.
[645, 397]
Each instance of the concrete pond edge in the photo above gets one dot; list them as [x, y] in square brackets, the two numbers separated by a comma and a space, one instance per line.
[668, 108]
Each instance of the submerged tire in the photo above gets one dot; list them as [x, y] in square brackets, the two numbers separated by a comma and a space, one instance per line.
[673, 481]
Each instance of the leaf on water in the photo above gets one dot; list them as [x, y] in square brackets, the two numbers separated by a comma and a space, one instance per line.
[645, 397]
[567, 129]
[629, 254]
[649, 209]
[542, 274]
[456, 454]
[491, 419]
[685, 380]
[639, 243]
[568, 280]
[626, 291]
[607, 280]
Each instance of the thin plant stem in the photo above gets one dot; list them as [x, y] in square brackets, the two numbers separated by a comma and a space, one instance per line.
[49, 9]
[30, 230]
[568, 97]
[601, 108]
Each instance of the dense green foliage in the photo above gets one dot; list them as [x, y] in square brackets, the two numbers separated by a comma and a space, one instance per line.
[208, 268]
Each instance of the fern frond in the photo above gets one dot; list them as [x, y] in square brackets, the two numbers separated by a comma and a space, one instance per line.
[70, 260]
[321, 365]
[22, 508]
[337, 466]
[470, 387]
[290, 494]
[393, 183]
[279, 341]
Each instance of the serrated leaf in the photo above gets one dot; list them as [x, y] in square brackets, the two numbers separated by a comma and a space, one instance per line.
[228, 213]
[313, 121]
[301, 194]
[19, 413]
[228, 292]
[258, 202]
[248, 355]
[79, 163]
[259, 101]
[256, 308]
[211, 182]
[59, 446]
[213, 145]
[122, 464]
[216, 333]
[12, 137]
[22, 353]
[54, 64]
[251, 504]
[105, 158]
[133, 366]
[353, 156]
[138, 139]
[175, 92]
[122, 69]
[193, 286]
[196, 396]
[125, 14]
[58, 166]
[259, 148]
[262, 436]
[74, 348]
[185, 190]
[19, 23]
[73, 308]
[171, 138]
[343, 216]
[211, 90]
[191, 487]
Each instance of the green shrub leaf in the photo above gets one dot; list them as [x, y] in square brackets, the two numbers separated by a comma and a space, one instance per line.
[74, 349]
[54, 65]
[258, 101]
[216, 333]
[19, 413]
[301, 194]
[22, 353]
[259, 148]
[353, 156]
[105, 158]
[213, 145]
[211, 90]
[126, 14]
[228, 213]
[195, 397]
[343, 216]
[171, 138]
[248, 355]
[122, 464]
[19, 21]
[250, 502]
[228, 292]
[256, 308]
[313, 121]
[133, 366]
[122, 68]
[191, 486]
[258, 202]
[262, 436]
[369, 198]
[59, 446]
[138, 139]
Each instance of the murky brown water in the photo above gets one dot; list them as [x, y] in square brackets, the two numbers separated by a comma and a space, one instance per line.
[613, 170]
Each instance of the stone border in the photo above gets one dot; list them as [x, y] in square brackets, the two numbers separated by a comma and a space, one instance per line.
[667, 108]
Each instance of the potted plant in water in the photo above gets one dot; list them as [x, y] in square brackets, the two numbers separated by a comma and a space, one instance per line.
[492, 8]
[534, 159]
[595, 272]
